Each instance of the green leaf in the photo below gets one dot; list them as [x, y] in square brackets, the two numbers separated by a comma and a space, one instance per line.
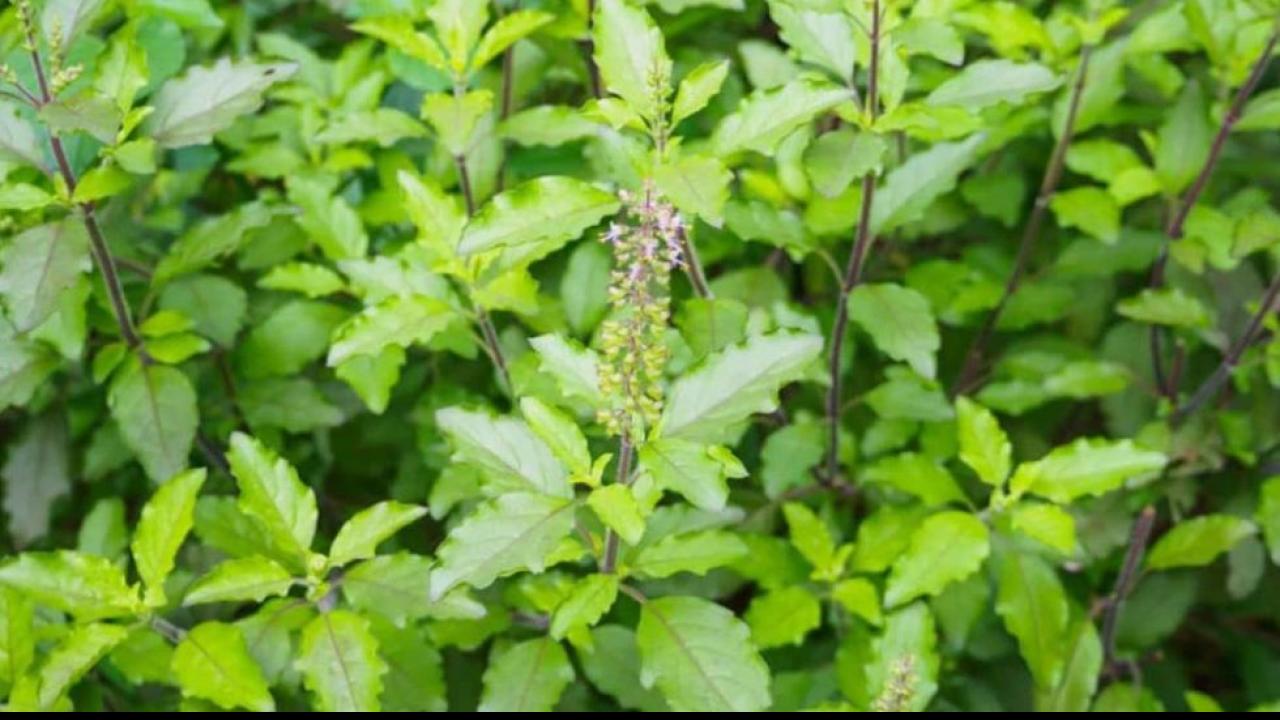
[1133, 185]
[766, 117]
[23, 196]
[697, 88]
[813, 539]
[36, 473]
[101, 182]
[695, 553]
[858, 596]
[456, 118]
[1198, 541]
[18, 141]
[946, 547]
[917, 475]
[931, 36]
[711, 403]
[307, 278]
[905, 656]
[395, 587]
[1080, 673]
[1090, 209]
[87, 587]
[216, 305]
[174, 349]
[38, 266]
[835, 159]
[155, 409]
[698, 472]
[189, 110]
[415, 679]
[1033, 606]
[72, 659]
[779, 228]
[697, 185]
[535, 218]
[783, 617]
[551, 125]
[1126, 697]
[104, 531]
[900, 323]
[991, 82]
[824, 39]
[163, 526]
[401, 36]
[327, 219]
[1261, 113]
[1085, 467]
[385, 126]
[17, 636]
[984, 446]
[590, 599]
[527, 677]
[912, 187]
[359, 537]
[511, 455]
[271, 492]
[701, 657]
[629, 51]
[612, 663]
[561, 434]
[210, 240]
[788, 456]
[1101, 159]
[294, 405]
[1183, 144]
[213, 663]
[516, 531]
[372, 378]
[291, 337]
[187, 13]
[617, 507]
[438, 216]
[1200, 702]
[1104, 86]
[509, 29]
[221, 524]
[458, 24]
[339, 661]
[91, 114]
[1045, 523]
[252, 578]
[1166, 306]
[907, 396]
[573, 367]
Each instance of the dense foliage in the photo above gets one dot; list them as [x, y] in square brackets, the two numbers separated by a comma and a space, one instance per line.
[610, 354]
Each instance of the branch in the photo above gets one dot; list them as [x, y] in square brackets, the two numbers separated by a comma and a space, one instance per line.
[489, 332]
[508, 93]
[853, 272]
[693, 265]
[610, 563]
[212, 453]
[97, 242]
[1138, 540]
[168, 630]
[1177, 223]
[1031, 233]
[589, 46]
[1213, 384]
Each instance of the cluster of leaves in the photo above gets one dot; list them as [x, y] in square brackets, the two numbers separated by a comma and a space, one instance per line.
[671, 355]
